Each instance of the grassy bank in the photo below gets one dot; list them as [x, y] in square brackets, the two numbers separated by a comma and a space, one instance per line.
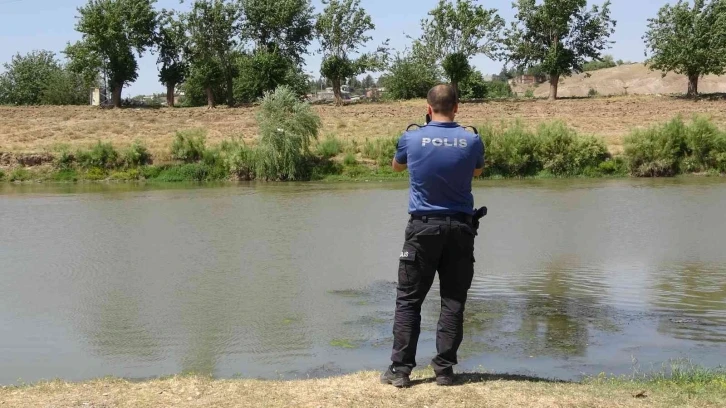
[515, 151]
[693, 388]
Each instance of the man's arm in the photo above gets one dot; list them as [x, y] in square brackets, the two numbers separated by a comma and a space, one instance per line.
[400, 159]
[398, 167]
[479, 169]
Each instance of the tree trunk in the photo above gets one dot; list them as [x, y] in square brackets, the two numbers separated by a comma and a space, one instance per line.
[210, 98]
[554, 83]
[230, 92]
[170, 94]
[692, 86]
[336, 91]
[116, 95]
[455, 84]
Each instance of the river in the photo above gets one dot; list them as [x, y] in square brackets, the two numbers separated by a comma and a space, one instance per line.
[573, 277]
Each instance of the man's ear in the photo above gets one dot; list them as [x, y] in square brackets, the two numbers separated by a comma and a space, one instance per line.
[456, 108]
[429, 110]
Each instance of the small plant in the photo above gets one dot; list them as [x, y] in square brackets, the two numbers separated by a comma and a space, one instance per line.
[592, 93]
[20, 174]
[65, 159]
[330, 147]
[189, 145]
[2, 175]
[529, 94]
[380, 150]
[240, 160]
[136, 155]
[102, 155]
[350, 160]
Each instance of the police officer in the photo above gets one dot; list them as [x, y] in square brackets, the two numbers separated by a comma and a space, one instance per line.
[442, 158]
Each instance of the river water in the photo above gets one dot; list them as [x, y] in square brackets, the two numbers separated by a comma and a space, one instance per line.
[297, 280]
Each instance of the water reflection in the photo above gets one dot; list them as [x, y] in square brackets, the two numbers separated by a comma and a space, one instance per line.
[691, 299]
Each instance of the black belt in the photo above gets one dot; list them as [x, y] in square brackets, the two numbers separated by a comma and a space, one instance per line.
[461, 217]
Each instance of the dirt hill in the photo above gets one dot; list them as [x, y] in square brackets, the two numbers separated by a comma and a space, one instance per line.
[632, 79]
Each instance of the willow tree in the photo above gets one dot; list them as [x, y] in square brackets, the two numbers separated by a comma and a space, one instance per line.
[454, 33]
[559, 36]
[688, 40]
[341, 30]
[114, 33]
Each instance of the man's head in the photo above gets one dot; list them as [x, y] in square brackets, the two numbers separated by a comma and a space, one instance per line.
[443, 103]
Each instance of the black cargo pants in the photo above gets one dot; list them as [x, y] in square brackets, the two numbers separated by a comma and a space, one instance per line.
[447, 246]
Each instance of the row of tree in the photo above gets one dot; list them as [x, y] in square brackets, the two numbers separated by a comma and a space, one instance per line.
[235, 50]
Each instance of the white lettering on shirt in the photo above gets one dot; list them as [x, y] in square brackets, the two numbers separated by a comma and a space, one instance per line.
[444, 142]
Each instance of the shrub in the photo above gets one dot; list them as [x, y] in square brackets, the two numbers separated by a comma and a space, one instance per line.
[592, 93]
[239, 160]
[498, 89]
[95, 173]
[380, 150]
[20, 174]
[350, 160]
[606, 62]
[65, 175]
[189, 145]
[2, 175]
[510, 153]
[190, 172]
[65, 159]
[330, 147]
[287, 127]
[657, 151]
[136, 155]
[529, 93]
[102, 155]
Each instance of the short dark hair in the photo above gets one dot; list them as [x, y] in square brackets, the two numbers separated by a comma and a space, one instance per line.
[442, 99]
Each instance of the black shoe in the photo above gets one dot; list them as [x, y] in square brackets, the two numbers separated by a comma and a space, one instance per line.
[395, 378]
[445, 378]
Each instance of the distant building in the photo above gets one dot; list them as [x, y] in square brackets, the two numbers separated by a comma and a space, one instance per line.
[528, 80]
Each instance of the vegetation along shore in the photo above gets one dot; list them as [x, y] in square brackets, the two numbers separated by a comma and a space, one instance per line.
[291, 145]
[679, 387]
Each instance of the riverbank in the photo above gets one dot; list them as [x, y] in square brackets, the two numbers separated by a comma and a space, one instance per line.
[697, 389]
[551, 150]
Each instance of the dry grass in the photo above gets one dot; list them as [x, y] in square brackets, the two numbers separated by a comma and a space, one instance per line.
[39, 129]
[357, 390]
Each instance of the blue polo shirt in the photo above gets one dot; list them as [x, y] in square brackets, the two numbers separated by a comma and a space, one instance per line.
[441, 159]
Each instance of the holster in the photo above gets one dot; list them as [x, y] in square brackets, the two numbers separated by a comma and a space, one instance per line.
[478, 215]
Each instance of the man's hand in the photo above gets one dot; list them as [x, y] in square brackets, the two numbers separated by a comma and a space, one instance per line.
[478, 172]
[398, 167]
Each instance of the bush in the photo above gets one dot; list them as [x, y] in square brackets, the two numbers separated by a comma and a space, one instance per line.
[136, 155]
[350, 160]
[498, 89]
[102, 155]
[188, 145]
[380, 150]
[529, 93]
[592, 93]
[239, 160]
[190, 172]
[330, 147]
[20, 174]
[64, 160]
[510, 153]
[657, 151]
[287, 127]
[554, 149]
[2, 175]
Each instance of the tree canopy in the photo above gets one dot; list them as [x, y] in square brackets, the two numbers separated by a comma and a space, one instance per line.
[455, 32]
[558, 35]
[688, 40]
[342, 30]
[114, 33]
[38, 78]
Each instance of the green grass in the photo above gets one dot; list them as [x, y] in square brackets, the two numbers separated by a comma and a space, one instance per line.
[343, 343]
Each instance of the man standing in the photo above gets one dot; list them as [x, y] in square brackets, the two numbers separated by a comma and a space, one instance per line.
[441, 158]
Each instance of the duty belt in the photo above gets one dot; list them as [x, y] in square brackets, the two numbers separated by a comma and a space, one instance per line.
[465, 218]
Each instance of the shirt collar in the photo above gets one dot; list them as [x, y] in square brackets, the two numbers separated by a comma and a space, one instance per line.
[443, 124]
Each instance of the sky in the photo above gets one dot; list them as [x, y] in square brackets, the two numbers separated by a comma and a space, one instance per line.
[27, 25]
